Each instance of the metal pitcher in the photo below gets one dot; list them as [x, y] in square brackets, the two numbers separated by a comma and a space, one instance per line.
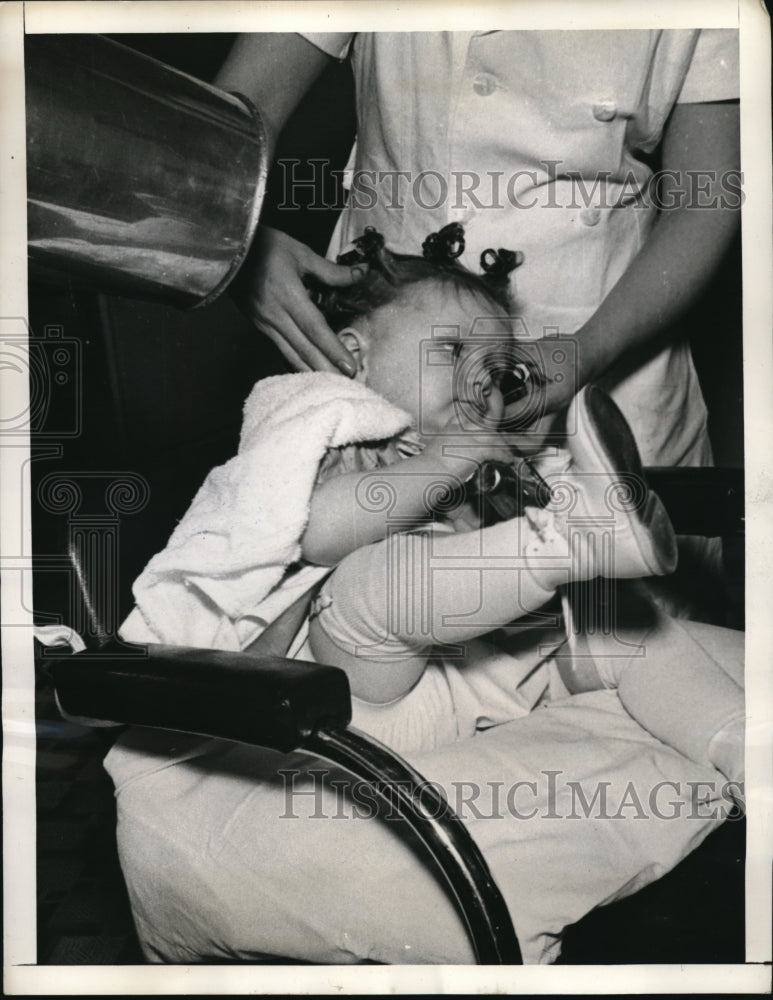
[141, 180]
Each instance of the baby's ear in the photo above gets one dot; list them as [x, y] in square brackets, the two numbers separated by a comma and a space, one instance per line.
[356, 344]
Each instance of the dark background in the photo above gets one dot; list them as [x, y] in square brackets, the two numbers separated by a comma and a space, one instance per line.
[161, 394]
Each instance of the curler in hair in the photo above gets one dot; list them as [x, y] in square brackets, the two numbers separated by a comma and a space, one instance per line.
[366, 248]
[497, 264]
[444, 247]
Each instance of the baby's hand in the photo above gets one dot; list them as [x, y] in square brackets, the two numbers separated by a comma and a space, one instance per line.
[462, 449]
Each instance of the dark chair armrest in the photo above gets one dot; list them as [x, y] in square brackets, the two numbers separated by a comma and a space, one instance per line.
[265, 701]
[285, 705]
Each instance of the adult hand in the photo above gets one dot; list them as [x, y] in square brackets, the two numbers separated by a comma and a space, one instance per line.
[270, 290]
[547, 374]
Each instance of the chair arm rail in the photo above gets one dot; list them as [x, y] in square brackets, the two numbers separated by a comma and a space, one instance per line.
[285, 705]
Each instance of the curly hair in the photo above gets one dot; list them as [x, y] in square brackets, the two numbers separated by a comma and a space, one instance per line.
[390, 274]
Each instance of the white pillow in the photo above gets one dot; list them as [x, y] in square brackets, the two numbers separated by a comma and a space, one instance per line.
[234, 852]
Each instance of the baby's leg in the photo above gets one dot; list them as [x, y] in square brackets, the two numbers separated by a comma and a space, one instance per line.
[388, 604]
[684, 682]
[400, 597]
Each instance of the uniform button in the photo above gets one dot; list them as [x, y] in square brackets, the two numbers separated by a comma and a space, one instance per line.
[590, 216]
[484, 84]
[604, 111]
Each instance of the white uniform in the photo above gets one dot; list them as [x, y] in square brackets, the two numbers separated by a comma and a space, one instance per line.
[537, 141]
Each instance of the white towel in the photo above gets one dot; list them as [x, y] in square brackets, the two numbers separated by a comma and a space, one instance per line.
[245, 524]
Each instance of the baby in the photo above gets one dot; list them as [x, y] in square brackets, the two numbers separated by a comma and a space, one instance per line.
[414, 610]
[439, 606]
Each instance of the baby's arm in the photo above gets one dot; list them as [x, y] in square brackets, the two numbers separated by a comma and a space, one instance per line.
[388, 604]
[343, 518]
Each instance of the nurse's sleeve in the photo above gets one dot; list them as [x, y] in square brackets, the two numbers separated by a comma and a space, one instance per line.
[334, 43]
[713, 74]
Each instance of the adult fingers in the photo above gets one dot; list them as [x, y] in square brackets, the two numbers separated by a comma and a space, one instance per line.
[291, 320]
[305, 329]
[287, 351]
[334, 275]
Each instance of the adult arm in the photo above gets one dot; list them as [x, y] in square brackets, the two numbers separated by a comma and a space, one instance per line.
[686, 245]
[274, 71]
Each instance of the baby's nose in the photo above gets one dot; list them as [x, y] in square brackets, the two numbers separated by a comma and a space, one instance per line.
[495, 408]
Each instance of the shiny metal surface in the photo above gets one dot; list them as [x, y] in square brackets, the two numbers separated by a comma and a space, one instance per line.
[421, 805]
[141, 180]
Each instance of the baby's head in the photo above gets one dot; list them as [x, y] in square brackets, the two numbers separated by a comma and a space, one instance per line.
[428, 334]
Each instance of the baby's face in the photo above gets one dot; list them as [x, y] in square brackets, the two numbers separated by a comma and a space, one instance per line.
[434, 354]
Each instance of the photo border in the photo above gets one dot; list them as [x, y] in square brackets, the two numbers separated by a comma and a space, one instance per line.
[21, 975]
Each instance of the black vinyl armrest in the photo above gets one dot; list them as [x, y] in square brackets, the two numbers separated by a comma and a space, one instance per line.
[286, 705]
[264, 701]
